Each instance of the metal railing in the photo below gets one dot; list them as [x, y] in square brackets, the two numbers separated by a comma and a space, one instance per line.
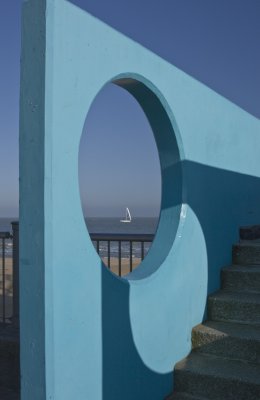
[121, 253]
[6, 265]
[124, 256]
[9, 276]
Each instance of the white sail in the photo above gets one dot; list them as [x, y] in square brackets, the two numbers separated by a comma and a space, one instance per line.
[128, 217]
[128, 214]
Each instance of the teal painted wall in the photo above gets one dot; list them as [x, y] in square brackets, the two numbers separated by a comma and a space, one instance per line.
[86, 334]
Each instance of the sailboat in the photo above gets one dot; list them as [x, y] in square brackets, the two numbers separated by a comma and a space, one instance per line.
[128, 217]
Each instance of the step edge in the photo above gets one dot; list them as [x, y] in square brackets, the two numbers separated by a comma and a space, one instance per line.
[241, 269]
[232, 294]
[185, 395]
[220, 374]
[208, 330]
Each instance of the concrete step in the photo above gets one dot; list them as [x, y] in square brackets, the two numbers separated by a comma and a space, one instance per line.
[249, 232]
[216, 378]
[228, 340]
[240, 307]
[184, 396]
[246, 253]
[241, 278]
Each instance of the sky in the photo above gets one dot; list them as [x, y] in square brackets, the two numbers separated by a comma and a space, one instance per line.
[118, 159]
[217, 42]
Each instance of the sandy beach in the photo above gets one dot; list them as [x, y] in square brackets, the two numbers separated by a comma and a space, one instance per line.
[125, 265]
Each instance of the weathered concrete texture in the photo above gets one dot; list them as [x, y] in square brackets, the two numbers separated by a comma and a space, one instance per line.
[8, 394]
[217, 378]
[183, 396]
[246, 253]
[8, 373]
[249, 232]
[9, 342]
[9, 363]
[229, 340]
[241, 278]
[233, 306]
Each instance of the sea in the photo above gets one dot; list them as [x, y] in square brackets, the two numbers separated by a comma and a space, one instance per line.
[102, 225]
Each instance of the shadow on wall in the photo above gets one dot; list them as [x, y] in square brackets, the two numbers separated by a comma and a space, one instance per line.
[222, 201]
[125, 376]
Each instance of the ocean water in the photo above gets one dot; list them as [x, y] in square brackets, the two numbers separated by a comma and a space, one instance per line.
[113, 225]
[106, 226]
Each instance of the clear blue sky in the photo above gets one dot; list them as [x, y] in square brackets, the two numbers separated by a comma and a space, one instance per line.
[216, 42]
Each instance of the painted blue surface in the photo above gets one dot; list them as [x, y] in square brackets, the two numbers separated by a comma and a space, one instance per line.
[86, 334]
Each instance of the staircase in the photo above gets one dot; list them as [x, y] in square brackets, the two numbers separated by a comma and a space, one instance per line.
[225, 361]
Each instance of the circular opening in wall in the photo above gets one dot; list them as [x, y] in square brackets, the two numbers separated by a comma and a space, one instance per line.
[128, 161]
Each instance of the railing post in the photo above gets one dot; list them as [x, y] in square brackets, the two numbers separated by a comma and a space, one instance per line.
[15, 228]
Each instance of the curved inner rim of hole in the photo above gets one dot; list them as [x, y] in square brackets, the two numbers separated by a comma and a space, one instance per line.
[169, 159]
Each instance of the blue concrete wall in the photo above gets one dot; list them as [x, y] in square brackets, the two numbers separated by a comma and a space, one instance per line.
[86, 334]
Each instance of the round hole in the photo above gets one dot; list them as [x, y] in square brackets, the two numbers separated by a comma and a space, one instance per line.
[130, 177]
